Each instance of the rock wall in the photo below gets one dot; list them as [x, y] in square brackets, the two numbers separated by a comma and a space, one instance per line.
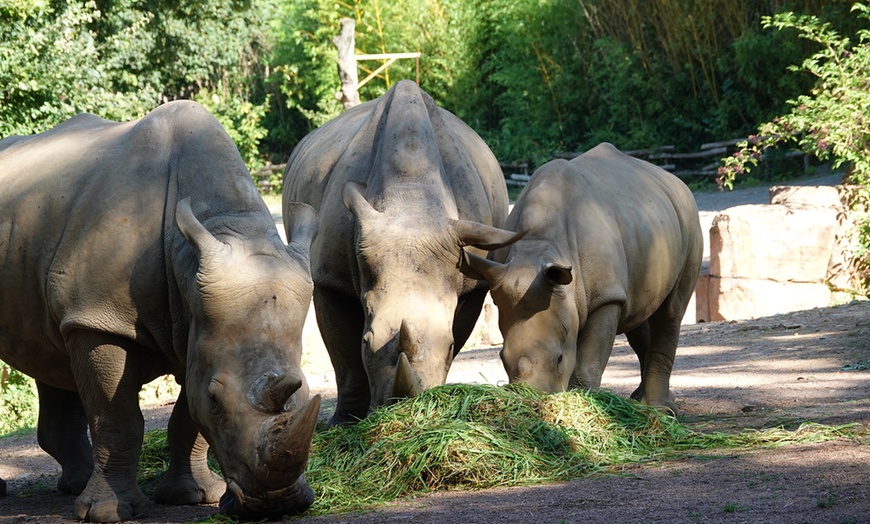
[770, 259]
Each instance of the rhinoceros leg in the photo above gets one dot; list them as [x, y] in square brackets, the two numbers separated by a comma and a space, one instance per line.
[639, 340]
[664, 335]
[189, 479]
[109, 373]
[467, 312]
[340, 319]
[657, 363]
[594, 345]
[62, 431]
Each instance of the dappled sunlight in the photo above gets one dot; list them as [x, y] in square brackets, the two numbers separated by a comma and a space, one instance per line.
[30, 460]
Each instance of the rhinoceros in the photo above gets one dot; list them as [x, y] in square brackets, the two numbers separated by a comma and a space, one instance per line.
[133, 250]
[399, 185]
[613, 245]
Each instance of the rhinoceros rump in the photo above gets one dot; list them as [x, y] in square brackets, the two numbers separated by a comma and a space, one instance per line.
[131, 250]
[400, 186]
[613, 245]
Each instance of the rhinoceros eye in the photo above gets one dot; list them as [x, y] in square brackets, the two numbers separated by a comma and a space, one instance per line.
[214, 389]
[367, 340]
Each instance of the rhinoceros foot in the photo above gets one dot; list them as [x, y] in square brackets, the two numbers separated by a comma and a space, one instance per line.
[101, 502]
[198, 487]
[669, 402]
[73, 481]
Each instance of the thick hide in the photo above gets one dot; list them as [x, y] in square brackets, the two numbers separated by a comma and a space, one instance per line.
[132, 250]
[612, 245]
[399, 186]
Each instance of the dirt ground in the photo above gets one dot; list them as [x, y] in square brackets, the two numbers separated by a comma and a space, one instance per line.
[729, 376]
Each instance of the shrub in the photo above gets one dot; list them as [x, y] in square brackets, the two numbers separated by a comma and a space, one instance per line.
[18, 400]
[831, 122]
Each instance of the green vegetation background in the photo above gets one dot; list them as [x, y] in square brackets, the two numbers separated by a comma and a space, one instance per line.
[530, 76]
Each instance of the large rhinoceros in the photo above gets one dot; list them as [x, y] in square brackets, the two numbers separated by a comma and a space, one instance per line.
[613, 245]
[399, 186]
[132, 250]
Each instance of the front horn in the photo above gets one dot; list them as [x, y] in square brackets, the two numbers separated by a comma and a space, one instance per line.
[406, 384]
[284, 447]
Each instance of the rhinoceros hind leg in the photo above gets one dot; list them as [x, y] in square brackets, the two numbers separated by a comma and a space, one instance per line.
[658, 361]
[639, 340]
[2, 488]
[62, 431]
[189, 479]
[340, 319]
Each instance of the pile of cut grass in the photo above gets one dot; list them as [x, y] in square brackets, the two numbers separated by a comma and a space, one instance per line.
[462, 436]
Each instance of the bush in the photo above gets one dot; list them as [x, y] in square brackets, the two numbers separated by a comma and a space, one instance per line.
[830, 123]
[18, 400]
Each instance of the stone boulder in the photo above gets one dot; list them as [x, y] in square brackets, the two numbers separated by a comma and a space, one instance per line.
[770, 259]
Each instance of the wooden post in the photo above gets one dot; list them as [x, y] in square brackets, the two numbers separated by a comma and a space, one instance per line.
[348, 96]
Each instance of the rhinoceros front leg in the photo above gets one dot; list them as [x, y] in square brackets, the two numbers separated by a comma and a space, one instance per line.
[594, 345]
[189, 479]
[467, 312]
[340, 319]
[108, 372]
[62, 431]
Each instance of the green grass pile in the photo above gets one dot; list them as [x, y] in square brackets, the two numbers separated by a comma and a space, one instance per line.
[464, 436]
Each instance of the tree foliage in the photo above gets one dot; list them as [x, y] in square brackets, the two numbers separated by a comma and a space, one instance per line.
[121, 58]
[830, 123]
[532, 76]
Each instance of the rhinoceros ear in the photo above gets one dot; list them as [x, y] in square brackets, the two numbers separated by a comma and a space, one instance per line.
[480, 268]
[558, 275]
[355, 201]
[483, 236]
[300, 224]
[203, 242]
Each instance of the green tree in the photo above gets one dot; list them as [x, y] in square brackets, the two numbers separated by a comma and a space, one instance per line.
[51, 68]
[121, 58]
[830, 123]
[304, 79]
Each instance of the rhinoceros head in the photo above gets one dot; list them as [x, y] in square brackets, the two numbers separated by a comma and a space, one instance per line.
[537, 316]
[244, 384]
[410, 287]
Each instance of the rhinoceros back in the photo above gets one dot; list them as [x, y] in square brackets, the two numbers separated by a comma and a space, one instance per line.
[358, 146]
[85, 215]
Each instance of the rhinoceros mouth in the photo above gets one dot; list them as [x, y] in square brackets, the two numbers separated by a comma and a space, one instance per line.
[275, 504]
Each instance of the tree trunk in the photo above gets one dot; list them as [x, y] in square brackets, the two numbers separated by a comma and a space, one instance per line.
[347, 73]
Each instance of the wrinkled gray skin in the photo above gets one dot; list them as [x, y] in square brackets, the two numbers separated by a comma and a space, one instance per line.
[613, 245]
[132, 250]
[399, 186]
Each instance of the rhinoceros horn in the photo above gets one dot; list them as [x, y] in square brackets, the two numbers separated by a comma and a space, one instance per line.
[205, 244]
[284, 446]
[406, 384]
[480, 268]
[483, 236]
[270, 392]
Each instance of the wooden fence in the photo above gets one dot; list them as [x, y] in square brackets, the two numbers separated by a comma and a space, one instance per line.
[698, 164]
